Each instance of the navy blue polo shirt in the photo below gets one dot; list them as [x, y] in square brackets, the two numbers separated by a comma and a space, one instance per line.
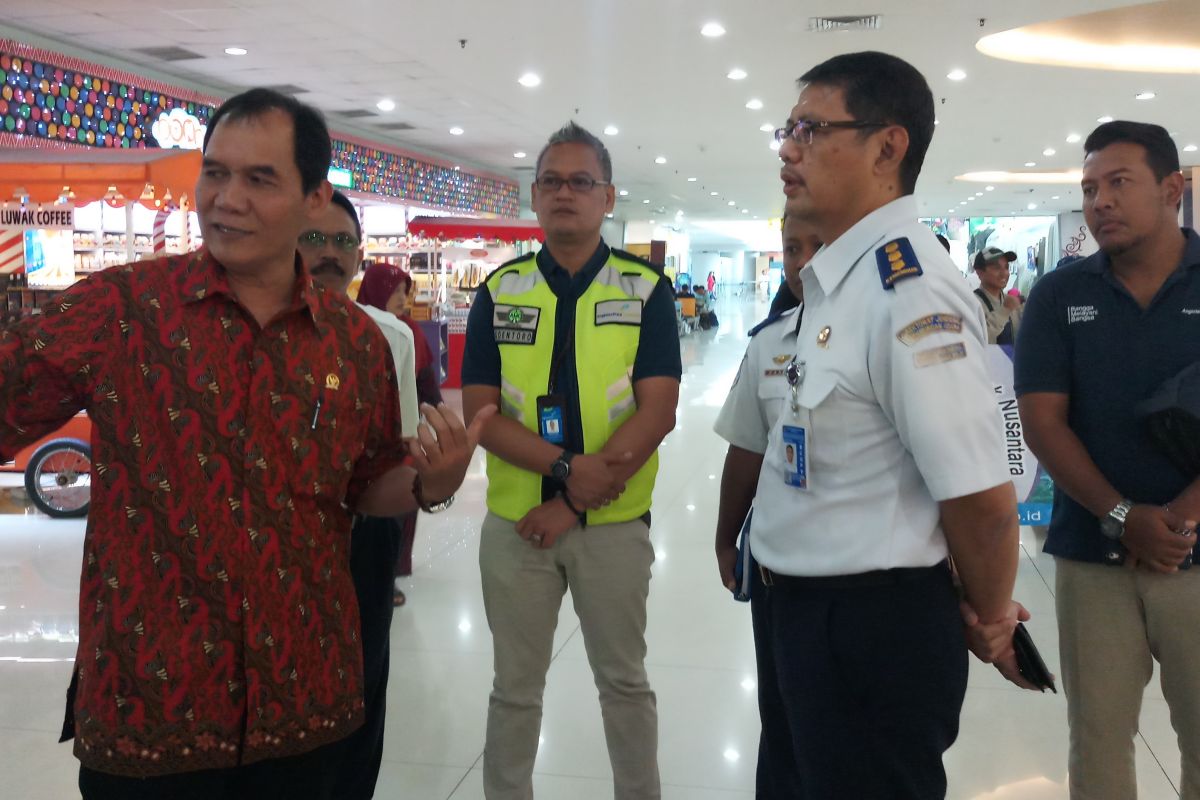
[1084, 335]
[658, 344]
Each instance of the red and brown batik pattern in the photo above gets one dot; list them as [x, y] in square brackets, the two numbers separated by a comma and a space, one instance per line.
[218, 621]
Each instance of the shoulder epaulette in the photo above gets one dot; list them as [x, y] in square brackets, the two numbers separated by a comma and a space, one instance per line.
[645, 262]
[771, 320]
[897, 262]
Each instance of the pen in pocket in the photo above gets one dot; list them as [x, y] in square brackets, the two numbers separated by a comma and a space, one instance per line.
[317, 411]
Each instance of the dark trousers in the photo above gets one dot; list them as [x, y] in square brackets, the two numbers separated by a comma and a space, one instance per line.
[304, 777]
[374, 545]
[860, 684]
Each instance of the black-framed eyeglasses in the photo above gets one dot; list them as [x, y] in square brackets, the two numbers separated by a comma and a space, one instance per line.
[578, 183]
[803, 130]
[315, 240]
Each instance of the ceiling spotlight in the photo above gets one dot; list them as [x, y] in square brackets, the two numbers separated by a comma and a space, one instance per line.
[611, 130]
[767, 127]
[610, 216]
[624, 193]
[1191, 148]
[713, 30]
[519, 154]
[530, 80]
[456, 131]
[646, 202]
[652, 222]
[1031, 206]
[755, 104]
[692, 180]
[989, 188]
[731, 203]
[1055, 197]
[235, 51]
[979, 194]
[745, 211]
[1031, 163]
[1049, 151]
[956, 75]
[736, 75]
[1144, 96]
[386, 105]
[1074, 138]
[660, 160]
[714, 194]
[1104, 119]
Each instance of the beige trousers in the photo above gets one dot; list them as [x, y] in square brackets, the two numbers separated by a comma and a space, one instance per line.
[1111, 622]
[607, 569]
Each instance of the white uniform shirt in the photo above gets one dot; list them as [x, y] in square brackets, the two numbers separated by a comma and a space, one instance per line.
[400, 340]
[896, 402]
[758, 393]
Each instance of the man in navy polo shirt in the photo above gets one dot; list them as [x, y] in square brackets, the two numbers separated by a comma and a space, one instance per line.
[1099, 337]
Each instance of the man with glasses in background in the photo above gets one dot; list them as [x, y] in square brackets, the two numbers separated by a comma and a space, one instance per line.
[578, 346]
[332, 253]
[1002, 312]
[898, 463]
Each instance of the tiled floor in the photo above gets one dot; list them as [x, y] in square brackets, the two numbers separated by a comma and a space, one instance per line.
[1012, 745]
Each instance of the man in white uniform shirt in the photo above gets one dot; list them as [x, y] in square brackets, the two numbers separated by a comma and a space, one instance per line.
[899, 462]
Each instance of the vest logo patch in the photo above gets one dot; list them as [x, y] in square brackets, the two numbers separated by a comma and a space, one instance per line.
[515, 324]
[619, 312]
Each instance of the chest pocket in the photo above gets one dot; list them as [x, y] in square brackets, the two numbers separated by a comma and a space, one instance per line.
[774, 395]
[826, 423]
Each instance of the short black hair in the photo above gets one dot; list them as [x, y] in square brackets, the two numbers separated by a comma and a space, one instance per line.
[339, 199]
[572, 133]
[943, 241]
[1161, 153]
[879, 87]
[311, 146]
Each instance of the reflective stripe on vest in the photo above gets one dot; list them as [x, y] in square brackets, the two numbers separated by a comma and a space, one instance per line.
[607, 331]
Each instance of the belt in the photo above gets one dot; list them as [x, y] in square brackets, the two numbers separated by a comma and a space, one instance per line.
[879, 577]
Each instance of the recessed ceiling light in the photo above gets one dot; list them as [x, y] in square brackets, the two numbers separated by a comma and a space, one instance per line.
[745, 211]
[611, 130]
[736, 74]
[713, 30]
[610, 216]
[1104, 119]
[1191, 148]
[731, 203]
[949, 210]
[979, 194]
[235, 51]
[1049, 151]
[1055, 197]
[989, 188]
[519, 154]
[775, 145]
[646, 202]
[1031, 206]
[652, 222]
[692, 180]
[714, 194]
[767, 127]
[1074, 138]
[660, 160]
[386, 105]
[1031, 163]
[962, 202]
[456, 131]
[1144, 96]
[530, 80]
[624, 193]
[956, 75]
[754, 104]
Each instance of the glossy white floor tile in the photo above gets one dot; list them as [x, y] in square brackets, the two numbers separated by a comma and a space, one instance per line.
[1012, 744]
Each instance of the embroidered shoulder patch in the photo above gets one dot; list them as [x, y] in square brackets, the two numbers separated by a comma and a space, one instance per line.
[897, 261]
[918, 329]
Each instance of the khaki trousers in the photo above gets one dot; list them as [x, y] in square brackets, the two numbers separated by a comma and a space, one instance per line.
[1111, 622]
[607, 569]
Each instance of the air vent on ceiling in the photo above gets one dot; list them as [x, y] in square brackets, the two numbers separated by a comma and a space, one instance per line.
[287, 88]
[523, 169]
[396, 126]
[865, 22]
[357, 113]
[168, 53]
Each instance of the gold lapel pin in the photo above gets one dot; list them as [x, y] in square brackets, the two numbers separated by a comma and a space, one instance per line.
[332, 382]
[823, 336]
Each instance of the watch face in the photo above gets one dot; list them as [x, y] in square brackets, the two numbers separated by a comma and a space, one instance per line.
[1111, 528]
[559, 471]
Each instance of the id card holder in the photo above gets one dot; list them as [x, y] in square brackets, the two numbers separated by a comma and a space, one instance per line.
[795, 456]
[551, 418]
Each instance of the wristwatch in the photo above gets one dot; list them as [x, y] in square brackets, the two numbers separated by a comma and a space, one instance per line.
[560, 470]
[1113, 526]
[427, 507]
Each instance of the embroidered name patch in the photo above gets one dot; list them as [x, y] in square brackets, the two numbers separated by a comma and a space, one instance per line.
[897, 261]
[940, 355]
[515, 324]
[918, 329]
[619, 312]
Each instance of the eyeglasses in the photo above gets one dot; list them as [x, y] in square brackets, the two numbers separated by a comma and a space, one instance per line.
[578, 183]
[802, 130]
[314, 240]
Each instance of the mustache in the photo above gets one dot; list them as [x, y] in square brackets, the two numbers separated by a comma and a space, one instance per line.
[328, 265]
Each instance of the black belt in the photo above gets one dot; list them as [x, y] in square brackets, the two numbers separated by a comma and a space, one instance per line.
[879, 577]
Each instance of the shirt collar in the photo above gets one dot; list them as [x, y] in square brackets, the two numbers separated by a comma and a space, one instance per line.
[788, 330]
[1099, 262]
[551, 268]
[834, 261]
[203, 276]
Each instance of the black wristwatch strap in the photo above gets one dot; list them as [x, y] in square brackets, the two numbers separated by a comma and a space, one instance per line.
[566, 498]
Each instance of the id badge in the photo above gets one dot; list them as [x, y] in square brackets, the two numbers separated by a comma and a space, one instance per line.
[795, 456]
[551, 416]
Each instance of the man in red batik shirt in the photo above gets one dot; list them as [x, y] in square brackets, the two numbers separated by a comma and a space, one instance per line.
[241, 417]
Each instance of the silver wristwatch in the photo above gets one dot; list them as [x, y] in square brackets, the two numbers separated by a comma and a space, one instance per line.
[1113, 525]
